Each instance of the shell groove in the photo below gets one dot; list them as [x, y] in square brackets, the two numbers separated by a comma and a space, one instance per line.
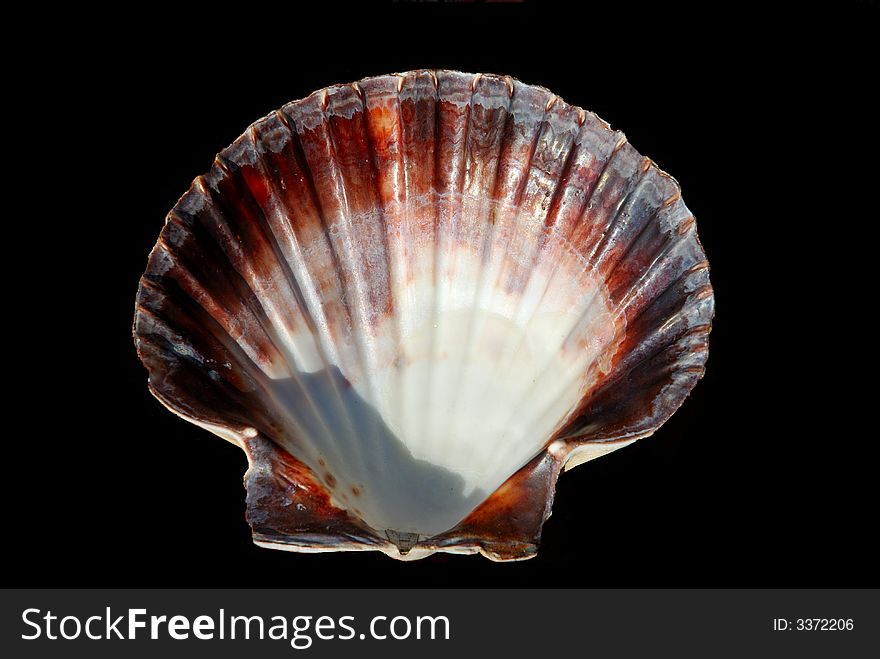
[413, 299]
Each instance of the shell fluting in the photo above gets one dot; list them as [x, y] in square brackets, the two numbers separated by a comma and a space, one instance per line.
[414, 299]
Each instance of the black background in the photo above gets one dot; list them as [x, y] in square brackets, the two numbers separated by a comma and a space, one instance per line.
[758, 480]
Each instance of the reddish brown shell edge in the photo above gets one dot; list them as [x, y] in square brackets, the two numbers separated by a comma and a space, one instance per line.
[655, 367]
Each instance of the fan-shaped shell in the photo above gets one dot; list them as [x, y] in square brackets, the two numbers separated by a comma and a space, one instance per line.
[413, 299]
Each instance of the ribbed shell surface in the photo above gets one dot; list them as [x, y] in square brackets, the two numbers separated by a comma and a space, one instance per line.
[406, 296]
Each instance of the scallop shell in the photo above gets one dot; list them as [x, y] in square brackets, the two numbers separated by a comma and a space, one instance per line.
[413, 300]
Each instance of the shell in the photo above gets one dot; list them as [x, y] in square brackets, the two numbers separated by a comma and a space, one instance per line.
[413, 300]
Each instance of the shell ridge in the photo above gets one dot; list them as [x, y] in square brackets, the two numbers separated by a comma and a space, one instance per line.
[678, 253]
[536, 253]
[357, 296]
[598, 259]
[329, 351]
[516, 225]
[650, 247]
[152, 291]
[215, 229]
[587, 202]
[606, 185]
[675, 337]
[558, 235]
[676, 258]
[248, 218]
[586, 390]
[458, 157]
[520, 341]
[660, 337]
[652, 273]
[511, 124]
[309, 180]
[304, 391]
[560, 188]
[239, 231]
[390, 263]
[269, 208]
[534, 258]
[191, 353]
[666, 401]
[436, 276]
[554, 229]
[330, 346]
[277, 264]
[279, 216]
[159, 327]
[485, 239]
[151, 300]
[303, 424]
[610, 254]
[248, 335]
[413, 162]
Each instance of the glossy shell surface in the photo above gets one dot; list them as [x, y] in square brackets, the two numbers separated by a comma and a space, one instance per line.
[415, 299]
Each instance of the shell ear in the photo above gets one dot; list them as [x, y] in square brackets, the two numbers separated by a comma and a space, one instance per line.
[507, 525]
[288, 508]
